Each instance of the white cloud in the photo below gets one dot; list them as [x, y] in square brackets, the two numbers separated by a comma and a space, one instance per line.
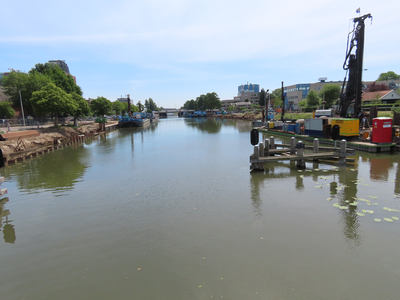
[192, 41]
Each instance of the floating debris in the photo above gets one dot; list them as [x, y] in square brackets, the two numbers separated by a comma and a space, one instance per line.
[343, 207]
[354, 203]
[391, 209]
[377, 220]
[388, 219]
[395, 218]
[360, 214]
[367, 211]
[329, 199]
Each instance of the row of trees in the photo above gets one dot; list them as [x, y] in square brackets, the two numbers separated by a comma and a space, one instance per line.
[326, 97]
[204, 102]
[47, 90]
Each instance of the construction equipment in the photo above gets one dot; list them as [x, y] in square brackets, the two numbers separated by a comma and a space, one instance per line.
[353, 65]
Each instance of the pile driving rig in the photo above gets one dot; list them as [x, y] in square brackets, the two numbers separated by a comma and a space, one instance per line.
[353, 65]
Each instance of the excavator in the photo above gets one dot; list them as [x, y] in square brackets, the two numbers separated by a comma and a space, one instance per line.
[353, 65]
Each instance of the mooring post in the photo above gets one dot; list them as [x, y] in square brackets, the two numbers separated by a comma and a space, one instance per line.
[316, 145]
[256, 152]
[300, 154]
[266, 147]
[342, 157]
[292, 145]
[261, 150]
[272, 142]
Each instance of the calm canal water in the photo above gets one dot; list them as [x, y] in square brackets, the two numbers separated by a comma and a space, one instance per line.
[173, 212]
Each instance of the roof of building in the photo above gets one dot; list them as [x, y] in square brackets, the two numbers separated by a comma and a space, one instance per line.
[370, 96]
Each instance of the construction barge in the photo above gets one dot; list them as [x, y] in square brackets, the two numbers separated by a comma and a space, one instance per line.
[378, 138]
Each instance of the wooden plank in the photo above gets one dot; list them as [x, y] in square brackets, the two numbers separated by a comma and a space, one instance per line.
[295, 157]
[19, 134]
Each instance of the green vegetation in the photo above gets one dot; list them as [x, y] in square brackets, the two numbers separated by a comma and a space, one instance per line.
[101, 106]
[6, 111]
[276, 98]
[45, 89]
[53, 100]
[293, 116]
[150, 105]
[204, 102]
[390, 75]
[118, 107]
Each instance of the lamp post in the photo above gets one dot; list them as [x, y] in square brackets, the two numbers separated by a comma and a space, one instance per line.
[22, 107]
[266, 107]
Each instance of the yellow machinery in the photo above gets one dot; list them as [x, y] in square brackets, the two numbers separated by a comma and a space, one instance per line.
[348, 127]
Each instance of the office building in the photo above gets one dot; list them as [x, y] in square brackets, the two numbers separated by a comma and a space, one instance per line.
[61, 64]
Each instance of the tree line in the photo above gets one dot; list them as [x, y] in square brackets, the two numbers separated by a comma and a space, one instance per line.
[203, 102]
[47, 90]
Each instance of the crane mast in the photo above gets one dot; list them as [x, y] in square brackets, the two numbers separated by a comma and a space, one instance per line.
[353, 64]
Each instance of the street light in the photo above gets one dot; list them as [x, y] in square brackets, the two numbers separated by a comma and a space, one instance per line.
[22, 107]
[266, 107]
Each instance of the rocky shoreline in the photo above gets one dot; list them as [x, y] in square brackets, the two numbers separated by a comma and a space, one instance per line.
[49, 137]
[242, 116]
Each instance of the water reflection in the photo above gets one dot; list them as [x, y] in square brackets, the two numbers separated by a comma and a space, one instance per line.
[8, 229]
[209, 125]
[58, 171]
[340, 183]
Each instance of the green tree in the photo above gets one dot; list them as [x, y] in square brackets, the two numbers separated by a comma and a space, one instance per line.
[82, 108]
[331, 92]
[390, 75]
[312, 99]
[212, 101]
[150, 105]
[16, 82]
[6, 111]
[58, 77]
[303, 103]
[53, 100]
[201, 102]
[118, 107]
[276, 97]
[262, 98]
[100, 106]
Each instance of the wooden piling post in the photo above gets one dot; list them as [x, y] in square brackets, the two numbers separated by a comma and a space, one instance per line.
[256, 152]
[261, 150]
[266, 147]
[342, 157]
[272, 142]
[293, 145]
[300, 154]
[316, 146]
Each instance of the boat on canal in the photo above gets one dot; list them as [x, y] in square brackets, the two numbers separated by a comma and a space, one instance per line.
[133, 122]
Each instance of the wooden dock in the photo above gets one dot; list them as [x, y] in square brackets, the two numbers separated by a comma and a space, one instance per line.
[268, 152]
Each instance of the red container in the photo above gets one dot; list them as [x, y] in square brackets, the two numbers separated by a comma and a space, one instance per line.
[382, 130]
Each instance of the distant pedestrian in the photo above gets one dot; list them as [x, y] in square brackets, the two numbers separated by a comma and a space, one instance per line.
[8, 126]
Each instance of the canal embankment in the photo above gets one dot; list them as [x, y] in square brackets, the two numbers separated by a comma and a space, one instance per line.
[20, 145]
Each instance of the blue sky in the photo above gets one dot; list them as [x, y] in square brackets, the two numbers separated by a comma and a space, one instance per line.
[176, 50]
